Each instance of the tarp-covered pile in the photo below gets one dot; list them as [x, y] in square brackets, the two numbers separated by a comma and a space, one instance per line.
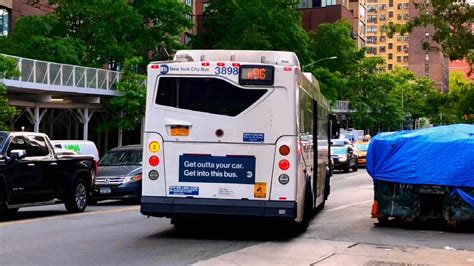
[434, 156]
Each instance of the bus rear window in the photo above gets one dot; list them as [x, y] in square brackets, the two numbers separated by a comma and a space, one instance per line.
[209, 95]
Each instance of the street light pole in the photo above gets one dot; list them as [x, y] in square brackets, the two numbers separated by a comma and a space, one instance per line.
[317, 61]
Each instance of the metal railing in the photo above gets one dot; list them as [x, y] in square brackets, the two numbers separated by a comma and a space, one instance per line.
[50, 73]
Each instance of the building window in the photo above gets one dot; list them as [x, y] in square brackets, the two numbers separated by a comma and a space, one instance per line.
[406, 5]
[390, 3]
[405, 48]
[187, 39]
[390, 66]
[399, 59]
[371, 8]
[4, 22]
[382, 39]
[383, 7]
[361, 28]
[382, 49]
[189, 3]
[390, 14]
[372, 50]
[372, 29]
[399, 16]
[406, 17]
[372, 19]
[427, 68]
[382, 17]
[390, 56]
[323, 3]
[405, 58]
[372, 39]
[399, 48]
[399, 6]
[402, 37]
[390, 46]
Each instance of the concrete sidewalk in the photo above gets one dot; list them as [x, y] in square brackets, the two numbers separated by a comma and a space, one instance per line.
[323, 252]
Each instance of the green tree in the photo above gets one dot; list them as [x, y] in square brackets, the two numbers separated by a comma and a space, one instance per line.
[459, 101]
[418, 96]
[7, 70]
[335, 40]
[43, 38]
[128, 110]
[254, 25]
[98, 32]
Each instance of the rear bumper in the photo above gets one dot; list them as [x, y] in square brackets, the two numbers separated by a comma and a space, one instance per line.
[176, 207]
[125, 191]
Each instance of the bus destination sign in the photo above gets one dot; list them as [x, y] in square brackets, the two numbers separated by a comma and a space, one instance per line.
[256, 75]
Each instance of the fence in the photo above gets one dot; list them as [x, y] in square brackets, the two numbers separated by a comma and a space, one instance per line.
[50, 73]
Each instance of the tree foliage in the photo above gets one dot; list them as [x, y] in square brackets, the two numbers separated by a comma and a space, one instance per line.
[7, 70]
[128, 110]
[451, 20]
[98, 32]
[256, 25]
[43, 38]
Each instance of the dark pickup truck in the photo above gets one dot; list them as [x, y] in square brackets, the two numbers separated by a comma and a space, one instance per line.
[31, 174]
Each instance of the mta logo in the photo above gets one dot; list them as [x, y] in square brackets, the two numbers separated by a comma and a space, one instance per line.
[164, 69]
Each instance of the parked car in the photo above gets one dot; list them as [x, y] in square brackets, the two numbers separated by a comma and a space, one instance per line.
[340, 142]
[32, 174]
[120, 174]
[360, 149]
[344, 158]
[81, 147]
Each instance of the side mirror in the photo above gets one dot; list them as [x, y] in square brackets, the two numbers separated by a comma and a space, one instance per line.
[18, 154]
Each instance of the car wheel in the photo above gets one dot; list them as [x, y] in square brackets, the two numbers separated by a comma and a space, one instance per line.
[347, 168]
[76, 201]
[3, 205]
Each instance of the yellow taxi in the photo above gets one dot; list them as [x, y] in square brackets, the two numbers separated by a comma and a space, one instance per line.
[360, 149]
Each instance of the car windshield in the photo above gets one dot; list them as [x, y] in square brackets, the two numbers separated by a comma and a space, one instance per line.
[361, 147]
[121, 157]
[338, 150]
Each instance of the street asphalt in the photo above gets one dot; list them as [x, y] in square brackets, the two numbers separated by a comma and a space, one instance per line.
[115, 233]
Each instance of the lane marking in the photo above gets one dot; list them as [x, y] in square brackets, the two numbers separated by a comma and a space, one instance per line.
[65, 216]
[349, 205]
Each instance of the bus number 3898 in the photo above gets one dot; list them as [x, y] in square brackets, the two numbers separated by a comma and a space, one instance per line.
[226, 70]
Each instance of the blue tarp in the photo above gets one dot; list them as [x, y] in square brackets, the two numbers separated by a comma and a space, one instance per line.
[433, 156]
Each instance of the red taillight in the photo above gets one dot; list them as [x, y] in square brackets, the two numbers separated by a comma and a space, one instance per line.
[287, 68]
[284, 150]
[282, 198]
[154, 161]
[220, 64]
[284, 164]
[235, 64]
[155, 66]
[205, 64]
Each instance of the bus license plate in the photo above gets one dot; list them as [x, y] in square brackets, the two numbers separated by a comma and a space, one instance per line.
[179, 131]
[105, 190]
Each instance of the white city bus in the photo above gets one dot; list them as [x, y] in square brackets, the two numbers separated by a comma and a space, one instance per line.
[234, 133]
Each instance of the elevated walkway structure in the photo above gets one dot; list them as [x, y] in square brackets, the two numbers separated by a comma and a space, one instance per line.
[63, 95]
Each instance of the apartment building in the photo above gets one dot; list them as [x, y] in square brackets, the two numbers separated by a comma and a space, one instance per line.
[316, 12]
[394, 49]
[358, 9]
